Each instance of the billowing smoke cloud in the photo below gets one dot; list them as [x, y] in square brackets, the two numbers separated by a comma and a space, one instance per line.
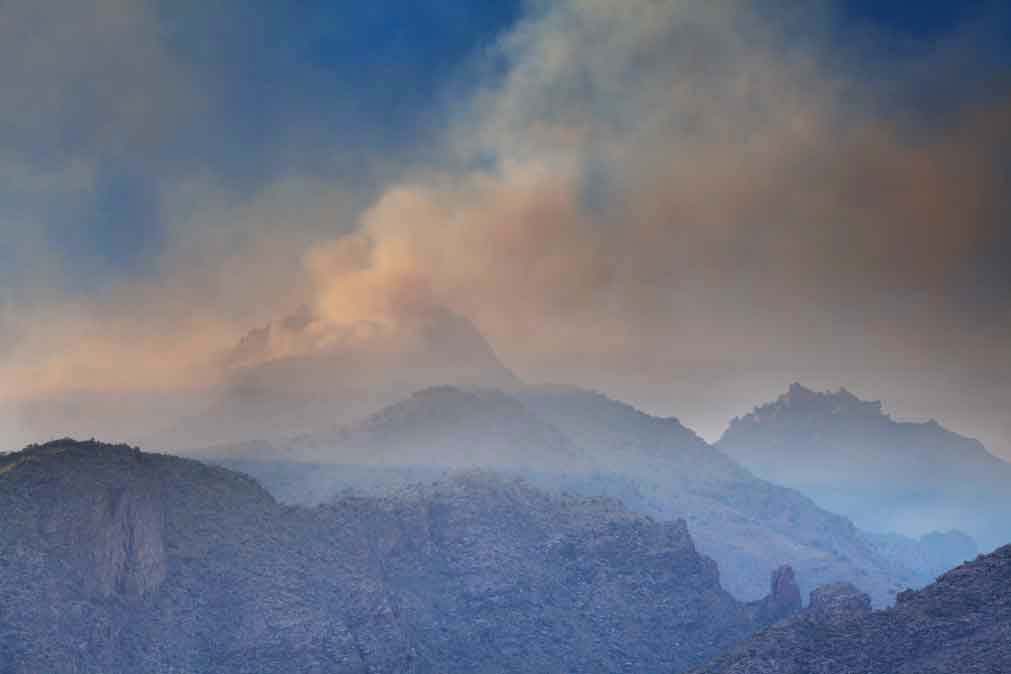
[680, 192]
[686, 204]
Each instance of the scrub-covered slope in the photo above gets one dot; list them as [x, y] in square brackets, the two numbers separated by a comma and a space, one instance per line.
[117, 561]
[959, 625]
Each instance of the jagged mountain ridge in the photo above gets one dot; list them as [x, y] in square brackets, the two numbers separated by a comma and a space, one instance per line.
[584, 442]
[886, 475]
[115, 561]
[961, 623]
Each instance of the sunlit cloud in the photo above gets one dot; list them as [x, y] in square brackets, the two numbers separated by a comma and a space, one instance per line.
[653, 196]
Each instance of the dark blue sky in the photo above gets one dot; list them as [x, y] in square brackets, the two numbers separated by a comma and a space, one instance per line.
[307, 87]
[924, 19]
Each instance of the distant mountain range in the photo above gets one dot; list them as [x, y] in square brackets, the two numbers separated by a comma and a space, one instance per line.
[886, 475]
[117, 561]
[568, 440]
[960, 624]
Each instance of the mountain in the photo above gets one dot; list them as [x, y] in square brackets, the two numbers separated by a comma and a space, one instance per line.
[441, 426]
[574, 441]
[114, 560]
[886, 475]
[303, 373]
[961, 623]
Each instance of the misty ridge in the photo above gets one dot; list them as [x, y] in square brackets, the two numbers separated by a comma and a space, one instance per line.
[573, 441]
[468, 529]
[400, 500]
[332, 522]
[922, 496]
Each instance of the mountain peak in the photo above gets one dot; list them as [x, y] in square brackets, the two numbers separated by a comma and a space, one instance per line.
[68, 448]
[798, 391]
[451, 394]
[302, 374]
[840, 402]
[852, 458]
[807, 406]
[444, 405]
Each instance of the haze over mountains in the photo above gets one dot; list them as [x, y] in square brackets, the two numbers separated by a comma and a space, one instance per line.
[488, 525]
[301, 373]
[115, 560]
[298, 410]
[887, 475]
[583, 442]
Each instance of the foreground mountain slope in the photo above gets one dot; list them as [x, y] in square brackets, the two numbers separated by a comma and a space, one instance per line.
[961, 623]
[886, 475]
[114, 560]
[585, 443]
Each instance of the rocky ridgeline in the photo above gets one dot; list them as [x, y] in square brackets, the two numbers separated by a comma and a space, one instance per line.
[886, 475]
[113, 560]
[568, 440]
[959, 625]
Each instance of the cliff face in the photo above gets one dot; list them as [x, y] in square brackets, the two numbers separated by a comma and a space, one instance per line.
[112, 560]
[124, 534]
[961, 623]
[107, 530]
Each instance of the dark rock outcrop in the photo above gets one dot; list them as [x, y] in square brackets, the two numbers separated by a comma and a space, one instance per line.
[839, 601]
[960, 624]
[784, 596]
[112, 560]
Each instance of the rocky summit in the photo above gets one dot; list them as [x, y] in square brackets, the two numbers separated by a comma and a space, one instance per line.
[959, 625]
[884, 474]
[114, 561]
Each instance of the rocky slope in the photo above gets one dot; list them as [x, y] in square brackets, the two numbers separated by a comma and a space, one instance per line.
[886, 475]
[961, 623]
[113, 560]
[585, 443]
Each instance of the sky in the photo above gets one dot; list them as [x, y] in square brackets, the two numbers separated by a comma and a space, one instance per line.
[686, 205]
